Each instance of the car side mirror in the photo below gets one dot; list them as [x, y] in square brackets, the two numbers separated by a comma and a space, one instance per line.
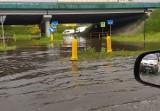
[147, 68]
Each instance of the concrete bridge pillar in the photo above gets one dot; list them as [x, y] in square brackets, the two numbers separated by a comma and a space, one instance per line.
[46, 22]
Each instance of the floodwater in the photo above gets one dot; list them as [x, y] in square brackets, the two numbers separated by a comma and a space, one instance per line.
[99, 43]
[39, 78]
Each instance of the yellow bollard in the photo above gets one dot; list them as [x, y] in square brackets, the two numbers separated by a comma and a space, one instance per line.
[52, 45]
[51, 37]
[74, 49]
[29, 37]
[109, 47]
[14, 36]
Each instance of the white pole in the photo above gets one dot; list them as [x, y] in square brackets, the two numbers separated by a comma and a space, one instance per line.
[110, 29]
[3, 35]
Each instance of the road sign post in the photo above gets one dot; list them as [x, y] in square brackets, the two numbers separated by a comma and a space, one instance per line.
[54, 24]
[2, 19]
[103, 24]
[110, 22]
[53, 28]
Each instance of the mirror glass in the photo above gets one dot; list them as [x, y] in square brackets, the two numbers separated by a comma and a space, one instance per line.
[150, 68]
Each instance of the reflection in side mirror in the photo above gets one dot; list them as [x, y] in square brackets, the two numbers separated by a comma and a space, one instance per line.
[147, 68]
[149, 64]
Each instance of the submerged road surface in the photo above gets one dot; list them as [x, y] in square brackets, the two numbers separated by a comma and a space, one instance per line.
[39, 80]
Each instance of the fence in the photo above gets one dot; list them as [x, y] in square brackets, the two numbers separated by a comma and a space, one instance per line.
[98, 34]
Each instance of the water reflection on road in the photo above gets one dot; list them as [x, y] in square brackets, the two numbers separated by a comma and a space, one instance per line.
[38, 79]
[75, 73]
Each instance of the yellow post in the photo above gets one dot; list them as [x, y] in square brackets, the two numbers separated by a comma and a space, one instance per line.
[51, 37]
[74, 49]
[29, 37]
[109, 47]
[14, 36]
[52, 45]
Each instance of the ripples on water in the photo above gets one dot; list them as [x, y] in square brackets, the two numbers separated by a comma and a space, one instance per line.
[39, 68]
[27, 71]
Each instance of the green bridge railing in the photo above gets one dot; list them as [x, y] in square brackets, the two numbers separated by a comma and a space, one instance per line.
[79, 1]
[77, 4]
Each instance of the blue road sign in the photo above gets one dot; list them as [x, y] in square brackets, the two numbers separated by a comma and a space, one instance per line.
[51, 29]
[55, 23]
[110, 22]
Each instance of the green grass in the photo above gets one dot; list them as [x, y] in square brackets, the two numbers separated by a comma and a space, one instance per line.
[57, 38]
[44, 40]
[128, 38]
[10, 30]
[125, 53]
[91, 55]
[7, 48]
[150, 37]
[22, 37]
[152, 23]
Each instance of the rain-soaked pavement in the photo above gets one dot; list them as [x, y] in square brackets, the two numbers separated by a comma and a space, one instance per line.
[38, 79]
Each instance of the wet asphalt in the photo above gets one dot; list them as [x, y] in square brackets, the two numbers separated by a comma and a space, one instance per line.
[40, 80]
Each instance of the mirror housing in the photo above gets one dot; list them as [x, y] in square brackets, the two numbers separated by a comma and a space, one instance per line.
[139, 75]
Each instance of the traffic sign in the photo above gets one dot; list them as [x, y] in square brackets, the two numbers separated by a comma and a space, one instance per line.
[110, 22]
[55, 23]
[2, 19]
[51, 29]
[103, 24]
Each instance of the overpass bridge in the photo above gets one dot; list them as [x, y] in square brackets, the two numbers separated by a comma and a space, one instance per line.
[42, 12]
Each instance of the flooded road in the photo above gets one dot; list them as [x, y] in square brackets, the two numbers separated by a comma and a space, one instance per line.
[39, 79]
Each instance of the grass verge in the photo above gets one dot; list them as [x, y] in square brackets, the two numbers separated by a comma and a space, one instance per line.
[57, 38]
[7, 48]
[91, 55]
[150, 37]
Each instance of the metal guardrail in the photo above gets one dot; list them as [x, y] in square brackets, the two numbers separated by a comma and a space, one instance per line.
[98, 34]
